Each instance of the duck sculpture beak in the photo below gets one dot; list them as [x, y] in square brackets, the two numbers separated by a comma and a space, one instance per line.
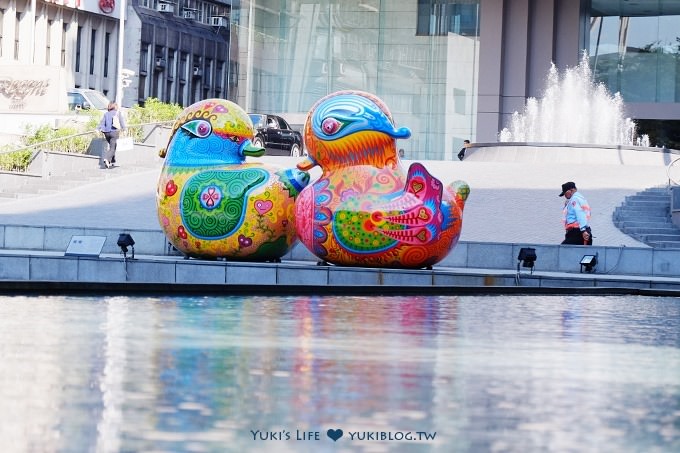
[251, 150]
[306, 164]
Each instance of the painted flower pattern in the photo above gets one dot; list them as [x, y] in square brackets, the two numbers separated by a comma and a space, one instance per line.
[211, 197]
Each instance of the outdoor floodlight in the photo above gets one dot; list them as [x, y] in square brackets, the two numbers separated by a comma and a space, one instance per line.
[527, 255]
[588, 263]
[125, 241]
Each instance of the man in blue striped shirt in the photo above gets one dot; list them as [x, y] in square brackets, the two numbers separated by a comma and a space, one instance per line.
[576, 216]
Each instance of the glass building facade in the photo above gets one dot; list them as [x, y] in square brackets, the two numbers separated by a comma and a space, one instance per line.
[634, 49]
[422, 57]
[636, 56]
[419, 56]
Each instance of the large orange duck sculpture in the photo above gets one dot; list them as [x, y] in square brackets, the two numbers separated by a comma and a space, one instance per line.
[364, 209]
[211, 203]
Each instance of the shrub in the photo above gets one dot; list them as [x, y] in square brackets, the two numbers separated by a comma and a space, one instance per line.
[71, 143]
[14, 160]
[153, 111]
[77, 138]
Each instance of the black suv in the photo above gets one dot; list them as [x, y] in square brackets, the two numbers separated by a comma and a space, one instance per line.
[275, 135]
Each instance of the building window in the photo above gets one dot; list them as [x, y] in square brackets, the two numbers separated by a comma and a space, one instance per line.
[168, 91]
[638, 57]
[107, 41]
[232, 75]
[144, 58]
[441, 17]
[183, 66]
[16, 36]
[219, 76]
[207, 79]
[64, 31]
[159, 53]
[170, 72]
[204, 12]
[141, 90]
[93, 46]
[48, 41]
[2, 16]
[79, 43]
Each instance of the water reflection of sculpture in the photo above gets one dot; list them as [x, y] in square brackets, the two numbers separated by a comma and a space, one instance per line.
[357, 376]
[365, 209]
[210, 202]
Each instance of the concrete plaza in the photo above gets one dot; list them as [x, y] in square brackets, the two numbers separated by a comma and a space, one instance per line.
[513, 203]
[510, 201]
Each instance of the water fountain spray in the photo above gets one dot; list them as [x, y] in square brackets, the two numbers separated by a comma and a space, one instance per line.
[573, 109]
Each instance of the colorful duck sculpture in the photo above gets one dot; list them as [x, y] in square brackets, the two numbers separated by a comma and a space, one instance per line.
[365, 210]
[211, 204]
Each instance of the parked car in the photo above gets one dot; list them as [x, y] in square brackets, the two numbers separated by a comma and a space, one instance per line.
[80, 98]
[275, 134]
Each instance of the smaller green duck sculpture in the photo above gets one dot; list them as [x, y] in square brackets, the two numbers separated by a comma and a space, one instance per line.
[211, 203]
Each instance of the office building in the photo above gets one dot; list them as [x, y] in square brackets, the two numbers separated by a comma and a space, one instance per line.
[448, 69]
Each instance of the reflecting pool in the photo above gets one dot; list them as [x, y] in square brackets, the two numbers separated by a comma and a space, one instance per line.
[450, 374]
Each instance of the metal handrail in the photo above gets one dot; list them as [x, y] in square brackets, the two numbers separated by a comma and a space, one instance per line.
[668, 171]
[47, 144]
[93, 132]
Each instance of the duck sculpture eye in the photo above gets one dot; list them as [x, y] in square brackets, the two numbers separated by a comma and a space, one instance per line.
[330, 126]
[199, 128]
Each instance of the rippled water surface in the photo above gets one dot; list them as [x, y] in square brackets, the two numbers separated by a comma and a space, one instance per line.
[454, 374]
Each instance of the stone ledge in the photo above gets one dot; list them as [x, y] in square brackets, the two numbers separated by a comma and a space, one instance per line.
[53, 271]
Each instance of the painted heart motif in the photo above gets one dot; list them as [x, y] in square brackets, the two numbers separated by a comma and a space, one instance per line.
[244, 241]
[334, 434]
[417, 186]
[181, 232]
[170, 188]
[263, 206]
[423, 214]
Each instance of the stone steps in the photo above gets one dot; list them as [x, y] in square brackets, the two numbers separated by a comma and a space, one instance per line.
[632, 216]
[655, 237]
[651, 196]
[646, 216]
[660, 205]
[665, 245]
[651, 209]
[652, 229]
[644, 224]
[131, 162]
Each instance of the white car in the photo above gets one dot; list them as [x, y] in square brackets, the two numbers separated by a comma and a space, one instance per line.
[79, 98]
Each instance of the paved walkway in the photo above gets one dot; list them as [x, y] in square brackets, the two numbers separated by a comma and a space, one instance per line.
[510, 202]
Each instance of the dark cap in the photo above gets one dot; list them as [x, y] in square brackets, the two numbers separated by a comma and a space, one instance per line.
[567, 186]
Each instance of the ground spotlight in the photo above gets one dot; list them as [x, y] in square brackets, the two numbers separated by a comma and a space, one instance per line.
[527, 256]
[125, 241]
[588, 263]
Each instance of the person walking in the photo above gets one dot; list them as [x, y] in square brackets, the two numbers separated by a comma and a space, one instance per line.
[576, 216]
[461, 153]
[111, 125]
